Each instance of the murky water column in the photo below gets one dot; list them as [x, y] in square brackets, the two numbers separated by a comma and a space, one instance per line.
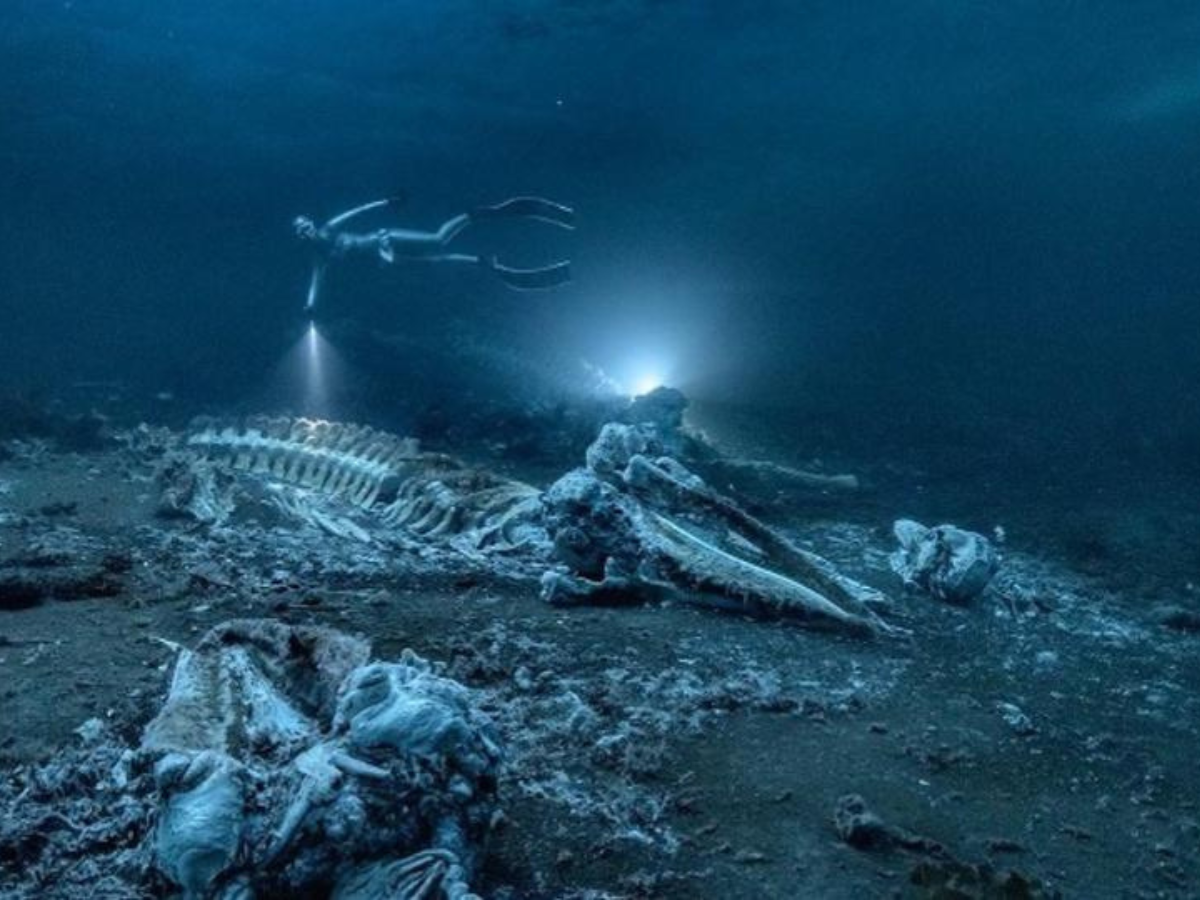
[316, 388]
[309, 377]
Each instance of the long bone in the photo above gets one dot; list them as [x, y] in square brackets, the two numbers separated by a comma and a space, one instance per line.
[654, 482]
[759, 589]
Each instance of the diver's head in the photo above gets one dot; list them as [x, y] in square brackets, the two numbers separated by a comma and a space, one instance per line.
[306, 228]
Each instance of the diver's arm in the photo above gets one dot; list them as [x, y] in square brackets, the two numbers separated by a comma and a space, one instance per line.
[314, 285]
[366, 207]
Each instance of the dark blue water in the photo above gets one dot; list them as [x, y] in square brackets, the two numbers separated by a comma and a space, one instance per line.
[930, 223]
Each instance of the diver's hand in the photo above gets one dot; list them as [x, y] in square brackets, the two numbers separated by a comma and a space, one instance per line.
[314, 286]
[305, 228]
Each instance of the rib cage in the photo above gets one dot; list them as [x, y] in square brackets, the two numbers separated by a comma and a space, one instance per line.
[426, 494]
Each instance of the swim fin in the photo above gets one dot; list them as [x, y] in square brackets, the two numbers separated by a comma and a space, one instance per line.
[528, 208]
[539, 279]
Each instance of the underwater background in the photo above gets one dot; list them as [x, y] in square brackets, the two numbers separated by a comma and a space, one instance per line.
[645, 550]
[922, 224]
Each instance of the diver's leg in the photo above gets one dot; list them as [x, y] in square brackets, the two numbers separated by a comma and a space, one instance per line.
[528, 208]
[451, 228]
[539, 279]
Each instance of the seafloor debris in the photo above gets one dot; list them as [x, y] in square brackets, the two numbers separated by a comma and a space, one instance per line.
[25, 417]
[193, 488]
[954, 880]
[860, 827]
[946, 562]
[1016, 719]
[939, 876]
[59, 563]
[1176, 617]
[282, 762]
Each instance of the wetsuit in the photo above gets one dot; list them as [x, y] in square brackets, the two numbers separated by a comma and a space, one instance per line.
[391, 244]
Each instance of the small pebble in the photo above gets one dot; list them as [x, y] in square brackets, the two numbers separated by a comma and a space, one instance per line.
[749, 857]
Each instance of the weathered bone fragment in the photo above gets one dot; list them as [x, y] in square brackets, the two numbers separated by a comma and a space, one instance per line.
[947, 562]
[768, 471]
[193, 489]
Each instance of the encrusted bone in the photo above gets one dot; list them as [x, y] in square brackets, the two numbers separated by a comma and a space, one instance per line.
[428, 874]
[663, 486]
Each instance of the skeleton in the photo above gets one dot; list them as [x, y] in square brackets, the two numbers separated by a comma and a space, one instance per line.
[633, 524]
[286, 763]
[428, 495]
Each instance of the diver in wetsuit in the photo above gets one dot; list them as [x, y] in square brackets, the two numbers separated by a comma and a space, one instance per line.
[390, 244]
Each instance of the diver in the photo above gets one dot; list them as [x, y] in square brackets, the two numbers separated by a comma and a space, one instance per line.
[389, 244]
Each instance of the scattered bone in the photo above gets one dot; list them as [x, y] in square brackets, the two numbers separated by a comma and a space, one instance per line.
[283, 763]
[660, 414]
[286, 761]
[1016, 719]
[775, 473]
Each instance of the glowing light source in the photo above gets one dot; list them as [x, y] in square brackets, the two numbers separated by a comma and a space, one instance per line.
[647, 383]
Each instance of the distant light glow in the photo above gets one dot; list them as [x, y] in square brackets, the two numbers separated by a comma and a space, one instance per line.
[647, 383]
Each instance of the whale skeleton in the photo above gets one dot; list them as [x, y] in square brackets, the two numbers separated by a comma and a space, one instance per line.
[627, 525]
[426, 494]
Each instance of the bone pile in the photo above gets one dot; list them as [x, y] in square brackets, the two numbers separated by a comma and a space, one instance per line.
[284, 761]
